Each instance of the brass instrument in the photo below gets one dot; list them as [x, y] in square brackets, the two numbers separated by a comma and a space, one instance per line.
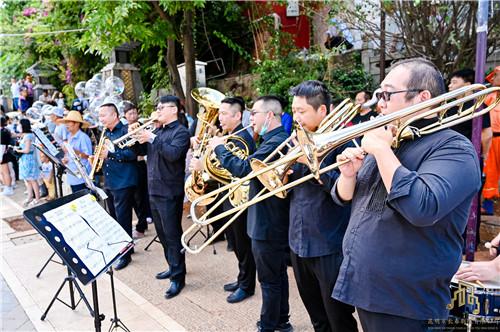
[97, 161]
[130, 138]
[200, 182]
[317, 146]
[339, 117]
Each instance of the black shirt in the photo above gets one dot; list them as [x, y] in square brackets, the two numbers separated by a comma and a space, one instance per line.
[317, 224]
[167, 160]
[362, 118]
[268, 219]
[402, 248]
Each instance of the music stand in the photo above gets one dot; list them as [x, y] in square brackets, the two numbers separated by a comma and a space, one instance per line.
[86, 238]
[49, 146]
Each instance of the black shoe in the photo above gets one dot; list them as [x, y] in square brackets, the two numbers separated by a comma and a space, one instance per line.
[163, 275]
[229, 248]
[175, 289]
[282, 327]
[122, 263]
[238, 296]
[231, 287]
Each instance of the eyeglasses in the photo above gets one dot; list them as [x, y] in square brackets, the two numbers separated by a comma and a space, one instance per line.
[386, 95]
[252, 112]
[161, 107]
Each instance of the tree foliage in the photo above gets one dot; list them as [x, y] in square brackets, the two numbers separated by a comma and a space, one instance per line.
[443, 31]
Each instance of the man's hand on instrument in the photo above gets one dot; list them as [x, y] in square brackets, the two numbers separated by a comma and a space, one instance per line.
[104, 153]
[355, 156]
[195, 142]
[216, 141]
[144, 136]
[481, 271]
[378, 139]
[495, 243]
[195, 165]
[133, 126]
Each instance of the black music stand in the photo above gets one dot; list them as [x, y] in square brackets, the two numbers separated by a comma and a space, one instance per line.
[87, 240]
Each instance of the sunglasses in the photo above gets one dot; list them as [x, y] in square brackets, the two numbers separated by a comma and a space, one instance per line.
[386, 95]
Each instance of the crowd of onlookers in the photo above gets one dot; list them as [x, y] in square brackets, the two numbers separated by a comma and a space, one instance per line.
[23, 95]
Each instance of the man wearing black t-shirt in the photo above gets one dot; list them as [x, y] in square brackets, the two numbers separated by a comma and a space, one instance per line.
[365, 113]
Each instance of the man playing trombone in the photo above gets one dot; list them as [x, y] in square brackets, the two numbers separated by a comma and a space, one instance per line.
[317, 224]
[409, 208]
[167, 150]
[230, 115]
[268, 220]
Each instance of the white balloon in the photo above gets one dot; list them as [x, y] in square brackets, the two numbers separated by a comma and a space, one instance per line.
[93, 88]
[97, 77]
[114, 86]
[80, 89]
[94, 105]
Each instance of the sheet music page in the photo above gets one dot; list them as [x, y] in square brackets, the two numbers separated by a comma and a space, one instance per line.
[45, 141]
[90, 231]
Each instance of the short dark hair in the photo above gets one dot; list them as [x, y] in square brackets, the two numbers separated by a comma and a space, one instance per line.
[367, 95]
[315, 92]
[110, 105]
[3, 121]
[127, 106]
[235, 101]
[467, 74]
[25, 125]
[272, 103]
[170, 99]
[424, 75]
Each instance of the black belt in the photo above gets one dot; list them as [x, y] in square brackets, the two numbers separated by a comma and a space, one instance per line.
[496, 134]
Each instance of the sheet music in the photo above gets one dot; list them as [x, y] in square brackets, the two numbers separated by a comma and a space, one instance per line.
[93, 234]
[45, 141]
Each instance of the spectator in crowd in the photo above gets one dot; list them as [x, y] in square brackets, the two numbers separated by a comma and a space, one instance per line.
[365, 113]
[47, 176]
[28, 83]
[23, 101]
[44, 97]
[58, 98]
[60, 132]
[492, 158]
[29, 168]
[6, 157]
[15, 89]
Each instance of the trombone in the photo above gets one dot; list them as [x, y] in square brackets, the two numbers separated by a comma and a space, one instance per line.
[317, 146]
[340, 116]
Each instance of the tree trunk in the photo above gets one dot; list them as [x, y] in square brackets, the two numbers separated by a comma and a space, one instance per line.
[189, 60]
[175, 78]
[169, 58]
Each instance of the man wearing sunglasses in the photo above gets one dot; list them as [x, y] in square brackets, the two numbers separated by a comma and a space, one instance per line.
[267, 221]
[409, 208]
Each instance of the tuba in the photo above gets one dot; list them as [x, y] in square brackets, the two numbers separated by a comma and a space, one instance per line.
[213, 174]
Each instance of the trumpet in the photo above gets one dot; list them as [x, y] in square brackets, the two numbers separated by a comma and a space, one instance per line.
[129, 139]
[339, 117]
[317, 146]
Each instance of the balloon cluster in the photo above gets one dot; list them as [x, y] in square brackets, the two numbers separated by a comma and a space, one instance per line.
[99, 92]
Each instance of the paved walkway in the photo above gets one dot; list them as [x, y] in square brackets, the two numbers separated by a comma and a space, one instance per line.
[14, 317]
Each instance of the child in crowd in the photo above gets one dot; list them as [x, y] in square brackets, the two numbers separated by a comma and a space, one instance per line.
[47, 176]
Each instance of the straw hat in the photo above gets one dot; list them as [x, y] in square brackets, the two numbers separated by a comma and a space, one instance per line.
[489, 78]
[75, 116]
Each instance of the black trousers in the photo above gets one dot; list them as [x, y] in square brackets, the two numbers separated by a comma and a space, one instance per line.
[167, 217]
[119, 204]
[316, 278]
[243, 251]
[270, 259]
[142, 207]
[378, 322]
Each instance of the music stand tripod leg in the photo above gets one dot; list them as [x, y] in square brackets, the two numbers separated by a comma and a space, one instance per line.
[97, 316]
[116, 323]
[155, 239]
